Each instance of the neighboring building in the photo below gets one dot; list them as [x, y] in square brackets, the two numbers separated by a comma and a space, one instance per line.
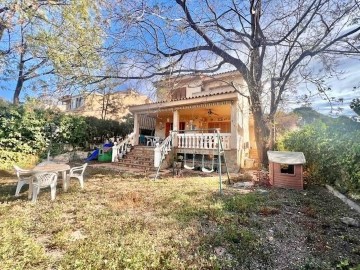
[193, 106]
[112, 106]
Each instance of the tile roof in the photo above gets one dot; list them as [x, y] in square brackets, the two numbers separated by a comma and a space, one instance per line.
[199, 95]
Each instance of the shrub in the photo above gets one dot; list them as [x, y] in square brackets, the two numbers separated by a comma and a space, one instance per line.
[8, 159]
[27, 131]
[332, 152]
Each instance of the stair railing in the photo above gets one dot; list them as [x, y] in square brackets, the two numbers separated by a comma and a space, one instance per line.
[119, 150]
[161, 151]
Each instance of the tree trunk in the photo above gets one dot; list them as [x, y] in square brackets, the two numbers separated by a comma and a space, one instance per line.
[262, 131]
[20, 79]
[272, 137]
[19, 84]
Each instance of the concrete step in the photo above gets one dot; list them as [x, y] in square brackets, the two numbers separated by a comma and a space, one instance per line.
[137, 166]
[140, 151]
[136, 162]
[137, 158]
[140, 157]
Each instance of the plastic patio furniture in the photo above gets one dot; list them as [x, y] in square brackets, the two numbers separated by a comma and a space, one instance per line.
[77, 172]
[24, 177]
[43, 180]
[149, 141]
[45, 162]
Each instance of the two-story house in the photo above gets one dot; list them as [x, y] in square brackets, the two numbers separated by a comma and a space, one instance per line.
[192, 107]
[113, 106]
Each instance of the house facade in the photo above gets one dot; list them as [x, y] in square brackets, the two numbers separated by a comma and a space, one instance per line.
[112, 106]
[191, 110]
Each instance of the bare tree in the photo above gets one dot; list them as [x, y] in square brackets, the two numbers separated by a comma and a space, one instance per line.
[53, 42]
[272, 44]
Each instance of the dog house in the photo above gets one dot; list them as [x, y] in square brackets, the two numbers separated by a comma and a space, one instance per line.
[286, 169]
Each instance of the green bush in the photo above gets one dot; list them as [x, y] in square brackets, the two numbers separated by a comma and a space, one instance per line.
[332, 152]
[99, 128]
[28, 132]
[8, 159]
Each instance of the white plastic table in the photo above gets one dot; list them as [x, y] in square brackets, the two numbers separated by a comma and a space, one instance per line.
[53, 167]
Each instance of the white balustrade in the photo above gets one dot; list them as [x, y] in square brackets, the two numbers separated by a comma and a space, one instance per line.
[162, 150]
[203, 140]
[119, 150]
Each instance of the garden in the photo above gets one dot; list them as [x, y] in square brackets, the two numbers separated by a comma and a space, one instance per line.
[128, 221]
[124, 221]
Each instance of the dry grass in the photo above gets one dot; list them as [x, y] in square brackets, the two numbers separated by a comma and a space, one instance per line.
[122, 221]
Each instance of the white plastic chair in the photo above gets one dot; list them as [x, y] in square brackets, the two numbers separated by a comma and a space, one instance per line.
[43, 180]
[149, 142]
[78, 172]
[24, 177]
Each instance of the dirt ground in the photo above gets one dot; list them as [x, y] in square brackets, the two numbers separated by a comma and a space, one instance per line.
[176, 223]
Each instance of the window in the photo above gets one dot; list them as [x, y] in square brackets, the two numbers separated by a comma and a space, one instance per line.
[76, 103]
[179, 93]
[287, 168]
[246, 145]
[79, 102]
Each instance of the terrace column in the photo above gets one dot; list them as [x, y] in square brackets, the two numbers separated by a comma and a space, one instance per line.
[234, 125]
[136, 129]
[175, 125]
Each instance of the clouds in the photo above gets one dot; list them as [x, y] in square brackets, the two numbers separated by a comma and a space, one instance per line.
[344, 85]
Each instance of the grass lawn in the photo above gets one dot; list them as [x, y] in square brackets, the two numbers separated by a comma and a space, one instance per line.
[128, 222]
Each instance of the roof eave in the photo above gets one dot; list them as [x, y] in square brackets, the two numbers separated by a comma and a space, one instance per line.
[182, 102]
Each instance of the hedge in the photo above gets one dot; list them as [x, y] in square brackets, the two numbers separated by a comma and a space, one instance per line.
[8, 159]
[28, 132]
[332, 152]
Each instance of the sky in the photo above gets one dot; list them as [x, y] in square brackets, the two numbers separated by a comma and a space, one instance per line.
[342, 87]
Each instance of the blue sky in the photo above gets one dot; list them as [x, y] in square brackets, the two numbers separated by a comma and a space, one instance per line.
[342, 87]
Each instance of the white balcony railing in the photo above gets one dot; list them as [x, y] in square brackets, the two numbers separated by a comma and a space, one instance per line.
[203, 140]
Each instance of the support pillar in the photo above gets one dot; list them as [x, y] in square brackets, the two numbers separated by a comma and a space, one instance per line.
[234, 124]
[136, 129]
[175, 126]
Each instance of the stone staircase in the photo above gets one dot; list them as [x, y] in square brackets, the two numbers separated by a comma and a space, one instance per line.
[140, 157]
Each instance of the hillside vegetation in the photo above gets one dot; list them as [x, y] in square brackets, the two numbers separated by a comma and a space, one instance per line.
[331, 147]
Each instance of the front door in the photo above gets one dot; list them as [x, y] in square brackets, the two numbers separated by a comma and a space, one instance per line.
[182, 126]
[168, 127]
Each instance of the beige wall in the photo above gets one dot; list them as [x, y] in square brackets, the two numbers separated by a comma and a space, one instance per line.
[118, 105]
[196, 84]
[160, 132]
[224, 87]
